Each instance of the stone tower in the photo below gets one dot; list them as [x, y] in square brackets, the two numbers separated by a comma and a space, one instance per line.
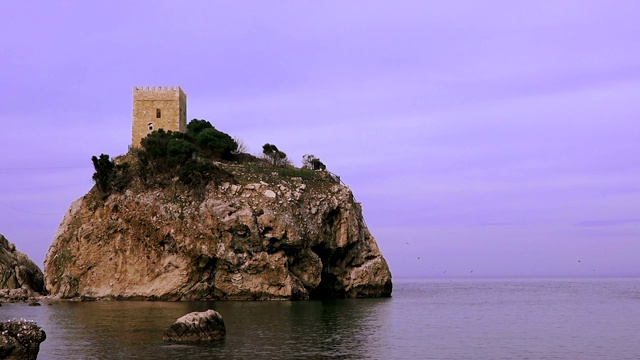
[157, 108]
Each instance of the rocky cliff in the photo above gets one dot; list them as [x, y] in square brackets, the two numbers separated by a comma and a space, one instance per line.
[20, 278]
[258, 234]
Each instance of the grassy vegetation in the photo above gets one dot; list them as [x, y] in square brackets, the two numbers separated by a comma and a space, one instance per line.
[195, 158]
[306, 174]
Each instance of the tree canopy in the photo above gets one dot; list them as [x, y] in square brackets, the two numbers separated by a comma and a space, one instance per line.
[313, 163]
[275, 156]
[105, 171]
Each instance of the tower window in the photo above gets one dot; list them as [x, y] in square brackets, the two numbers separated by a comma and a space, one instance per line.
[158, 114]
[150, 126]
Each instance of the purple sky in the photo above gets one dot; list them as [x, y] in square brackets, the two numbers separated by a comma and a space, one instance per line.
[498, 137]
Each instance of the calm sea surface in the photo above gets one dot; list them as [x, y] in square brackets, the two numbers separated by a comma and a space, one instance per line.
[425, 319]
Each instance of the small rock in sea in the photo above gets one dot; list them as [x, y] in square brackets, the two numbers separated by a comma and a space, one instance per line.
[35, 303]
[20, 340]
[197, 326]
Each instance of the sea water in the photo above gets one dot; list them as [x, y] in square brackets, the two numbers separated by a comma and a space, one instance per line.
[425, 319]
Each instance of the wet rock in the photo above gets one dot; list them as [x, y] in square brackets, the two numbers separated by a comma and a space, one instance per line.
[20, 340]
[18, 295]
[197, 326]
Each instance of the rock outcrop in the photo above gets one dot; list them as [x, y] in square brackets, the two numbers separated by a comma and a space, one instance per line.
[20, 340]
[20, 278]
[260, 236]
[197, 326]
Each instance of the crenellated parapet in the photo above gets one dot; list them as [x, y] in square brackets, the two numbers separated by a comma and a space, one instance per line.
[156, 88]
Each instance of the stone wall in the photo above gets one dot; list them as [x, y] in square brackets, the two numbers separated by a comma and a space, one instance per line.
[157, 108]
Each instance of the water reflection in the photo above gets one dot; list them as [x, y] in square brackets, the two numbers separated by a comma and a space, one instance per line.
[426, 319]
[282, 329]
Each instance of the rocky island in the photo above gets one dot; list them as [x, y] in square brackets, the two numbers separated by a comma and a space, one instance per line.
[186, 217]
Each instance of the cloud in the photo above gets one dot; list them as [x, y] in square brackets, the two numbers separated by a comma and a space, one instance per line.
[608, 223]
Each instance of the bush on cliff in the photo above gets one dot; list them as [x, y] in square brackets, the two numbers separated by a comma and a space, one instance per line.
[188, 156]
[167, 154]
[210, 140]
[105, 172]
[274, 155]
[176, 147]
[108, 175]
[313, 163]
[216, 143]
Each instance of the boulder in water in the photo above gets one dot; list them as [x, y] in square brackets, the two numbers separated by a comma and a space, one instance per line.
[20, 340]
[197, 326]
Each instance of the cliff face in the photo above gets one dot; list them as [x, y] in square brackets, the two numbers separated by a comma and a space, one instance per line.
[17, 271]
[256, 237]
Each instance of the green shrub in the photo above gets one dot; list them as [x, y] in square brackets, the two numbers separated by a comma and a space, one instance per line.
[215, 142]
[104, 172]
[195, 126]
[311, 162]
[275, 156]
[179, 151]
[155, 144]
[123, 176]
[166, 154]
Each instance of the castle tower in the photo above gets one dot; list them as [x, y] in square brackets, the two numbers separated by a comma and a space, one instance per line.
[157, 108]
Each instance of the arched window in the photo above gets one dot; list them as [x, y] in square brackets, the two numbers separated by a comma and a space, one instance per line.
[158, 114]
[150, 126]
